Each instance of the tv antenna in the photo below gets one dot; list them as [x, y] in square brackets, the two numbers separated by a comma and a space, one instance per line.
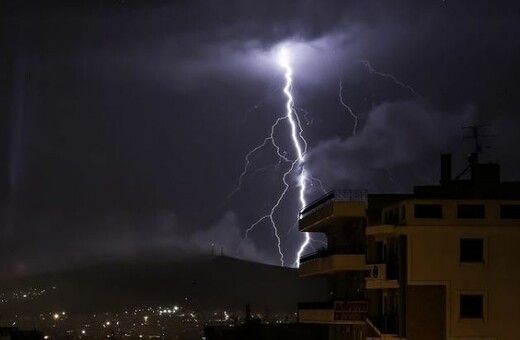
[475, 133]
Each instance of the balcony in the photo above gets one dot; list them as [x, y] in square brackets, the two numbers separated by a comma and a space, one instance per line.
[381, 276]
[381, 230]
[323, 262]
[336, 206]
[333, 312]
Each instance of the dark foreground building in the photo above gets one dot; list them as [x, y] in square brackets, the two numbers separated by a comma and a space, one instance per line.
[267, 332]
[254, 329]
[13, 333]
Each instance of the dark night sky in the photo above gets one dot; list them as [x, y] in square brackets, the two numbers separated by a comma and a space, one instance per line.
[124, 124]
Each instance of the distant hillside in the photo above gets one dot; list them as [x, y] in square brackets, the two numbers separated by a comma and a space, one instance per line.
[199, 283]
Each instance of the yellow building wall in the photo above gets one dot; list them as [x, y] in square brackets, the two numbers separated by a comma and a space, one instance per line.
[426, 312]
[449, 209]
[433, 258]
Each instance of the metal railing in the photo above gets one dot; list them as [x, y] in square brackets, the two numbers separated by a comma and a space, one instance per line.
[340, 195]
[325, 252]
[320, 253]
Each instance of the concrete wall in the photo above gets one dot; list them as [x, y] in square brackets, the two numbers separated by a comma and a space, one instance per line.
[433, 259]
[426, 313]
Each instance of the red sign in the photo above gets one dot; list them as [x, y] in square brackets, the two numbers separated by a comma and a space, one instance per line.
[349, 316]
[358, 307]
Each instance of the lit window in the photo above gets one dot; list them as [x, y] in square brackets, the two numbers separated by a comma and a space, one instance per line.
[471, 306]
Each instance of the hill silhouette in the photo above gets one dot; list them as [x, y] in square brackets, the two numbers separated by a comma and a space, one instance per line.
[200, 283]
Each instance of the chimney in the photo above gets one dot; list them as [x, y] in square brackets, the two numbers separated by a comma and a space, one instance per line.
[445, 168]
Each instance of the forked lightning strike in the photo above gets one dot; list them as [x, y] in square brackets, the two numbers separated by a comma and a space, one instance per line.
[354, 116]
[296, 165]
[296, 134]
[300, 147]
[396, 81]
[267, 140]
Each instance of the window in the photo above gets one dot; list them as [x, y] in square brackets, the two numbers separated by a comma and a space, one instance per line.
[471, 211]
[428, 211]
[471, 306]
[510, 211]
[471, 250]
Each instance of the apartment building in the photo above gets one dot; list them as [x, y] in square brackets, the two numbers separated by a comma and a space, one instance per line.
[440, 263]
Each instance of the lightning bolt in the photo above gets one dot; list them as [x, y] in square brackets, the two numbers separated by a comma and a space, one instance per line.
[396, 81]
[354, 116]
[267, 141]
[296, 135]
[296, 163]
[270, 216]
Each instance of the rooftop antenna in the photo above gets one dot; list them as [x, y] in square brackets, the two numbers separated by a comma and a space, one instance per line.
[476, 134]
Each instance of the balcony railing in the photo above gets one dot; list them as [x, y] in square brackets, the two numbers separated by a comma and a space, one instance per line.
[325, 252]
[320, 253]
[342, 195]
[338, 311]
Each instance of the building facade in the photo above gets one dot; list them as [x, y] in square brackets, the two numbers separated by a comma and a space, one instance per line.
[440, 263]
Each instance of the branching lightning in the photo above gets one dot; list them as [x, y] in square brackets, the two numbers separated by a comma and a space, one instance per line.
[354, 116]
[296, 137]
[396, 81]
[268, 140]
[270, 216]
[296, 163]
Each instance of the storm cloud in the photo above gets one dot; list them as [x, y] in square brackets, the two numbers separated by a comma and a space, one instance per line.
[125, 123]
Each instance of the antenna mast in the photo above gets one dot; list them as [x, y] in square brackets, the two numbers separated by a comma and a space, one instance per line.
[477, 135]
